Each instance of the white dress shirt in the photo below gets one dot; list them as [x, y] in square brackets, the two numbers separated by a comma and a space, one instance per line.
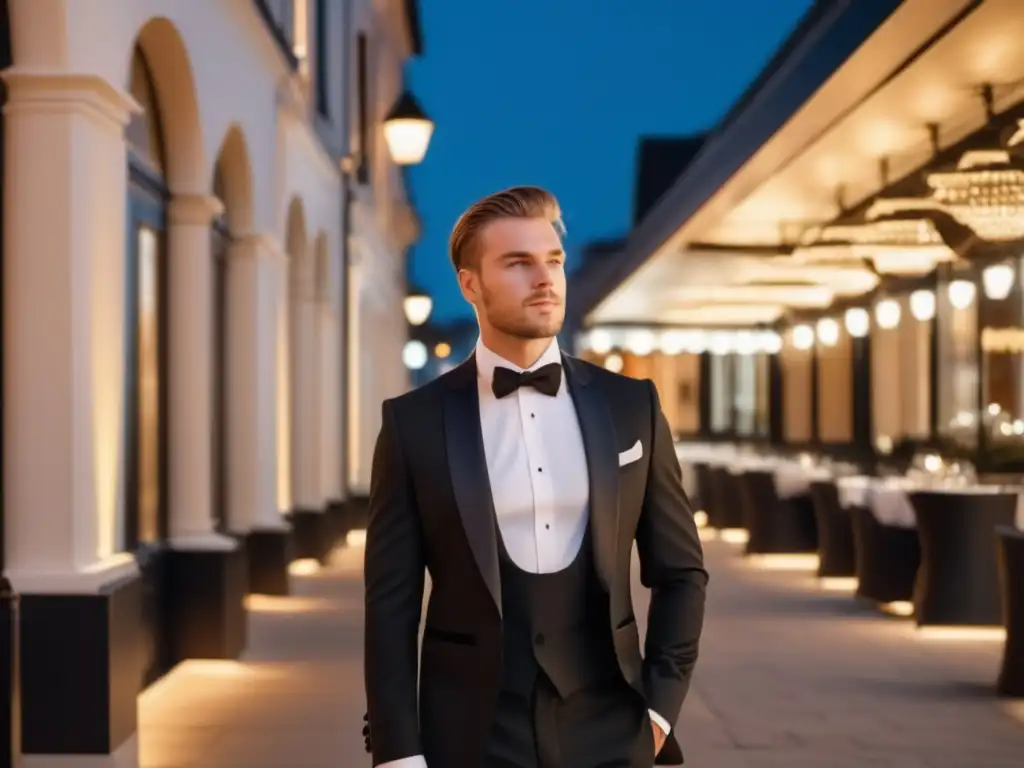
[530, 439]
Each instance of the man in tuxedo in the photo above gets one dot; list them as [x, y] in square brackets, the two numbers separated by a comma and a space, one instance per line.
[520, 480]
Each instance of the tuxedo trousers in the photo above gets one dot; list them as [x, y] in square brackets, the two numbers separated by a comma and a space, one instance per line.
[605, 726]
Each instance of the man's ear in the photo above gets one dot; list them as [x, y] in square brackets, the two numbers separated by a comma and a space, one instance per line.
[469, 283]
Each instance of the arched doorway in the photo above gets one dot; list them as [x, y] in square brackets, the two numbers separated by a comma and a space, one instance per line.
[232, 185]
[220, 245]
[292, 379]
[7, 614]
[308, 516]
[144, 527]
[165, 160]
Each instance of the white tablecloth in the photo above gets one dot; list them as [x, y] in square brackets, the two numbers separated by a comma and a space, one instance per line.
[853, 490]
[889, 502]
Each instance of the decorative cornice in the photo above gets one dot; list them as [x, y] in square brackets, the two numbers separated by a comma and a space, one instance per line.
[91, 94]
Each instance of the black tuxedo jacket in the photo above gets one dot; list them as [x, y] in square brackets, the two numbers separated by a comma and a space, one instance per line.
[431, 508]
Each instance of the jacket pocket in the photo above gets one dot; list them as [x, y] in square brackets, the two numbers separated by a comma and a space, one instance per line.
[444, 636]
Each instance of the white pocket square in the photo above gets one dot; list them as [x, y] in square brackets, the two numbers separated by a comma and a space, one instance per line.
[631, 455]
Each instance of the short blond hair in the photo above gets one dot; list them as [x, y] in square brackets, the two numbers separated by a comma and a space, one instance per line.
[514, 203]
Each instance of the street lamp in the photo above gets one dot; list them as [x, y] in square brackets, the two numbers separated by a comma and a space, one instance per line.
[407, 130]
[415, 354]
[417, 306]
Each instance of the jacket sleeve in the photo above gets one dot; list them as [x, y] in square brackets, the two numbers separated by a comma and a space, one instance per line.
[394, 576]
[672, 567]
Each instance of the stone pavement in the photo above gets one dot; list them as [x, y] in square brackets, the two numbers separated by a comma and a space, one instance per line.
[790, 675]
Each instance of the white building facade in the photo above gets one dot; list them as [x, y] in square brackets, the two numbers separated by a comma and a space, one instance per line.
[175, 297]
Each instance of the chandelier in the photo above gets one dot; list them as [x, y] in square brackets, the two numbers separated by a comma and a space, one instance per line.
[895, 236]
[985, 192]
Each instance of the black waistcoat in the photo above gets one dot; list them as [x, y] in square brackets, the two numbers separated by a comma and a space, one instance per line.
[555, 623]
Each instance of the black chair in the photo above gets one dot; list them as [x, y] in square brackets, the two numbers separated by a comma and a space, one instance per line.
[958, 582]
[835, 531]
[1011, 573]
[886, 558]
[727, 494]
[706, 492]
[774, 525]
[696, 498]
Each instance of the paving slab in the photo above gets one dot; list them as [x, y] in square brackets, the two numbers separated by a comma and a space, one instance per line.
[790, 674]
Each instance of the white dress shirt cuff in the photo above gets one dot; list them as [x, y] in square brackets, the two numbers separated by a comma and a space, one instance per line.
[416, 761]
[657, 719]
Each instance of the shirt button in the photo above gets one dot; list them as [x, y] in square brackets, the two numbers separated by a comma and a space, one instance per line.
[547, 526]
[540, 469]
[539, 639]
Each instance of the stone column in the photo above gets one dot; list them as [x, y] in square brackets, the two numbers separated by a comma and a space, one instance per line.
[370, 354]
[305, 398]
[190, 375]
[253, 263]
[331, 393]
[64, 413]
[207, 572]
[354, 385]
[312, 529]
[330, 401]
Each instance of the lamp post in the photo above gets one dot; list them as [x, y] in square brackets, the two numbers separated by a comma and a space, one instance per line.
[417, 306]
[407, 130]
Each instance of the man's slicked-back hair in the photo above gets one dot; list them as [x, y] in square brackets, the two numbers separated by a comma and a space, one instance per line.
[513, 203]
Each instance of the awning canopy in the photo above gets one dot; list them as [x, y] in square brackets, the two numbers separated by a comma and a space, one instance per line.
[728, 244]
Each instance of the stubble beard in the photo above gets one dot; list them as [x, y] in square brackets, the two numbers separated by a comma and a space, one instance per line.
[519, 326]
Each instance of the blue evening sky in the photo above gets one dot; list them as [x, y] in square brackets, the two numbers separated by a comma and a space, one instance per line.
[556, 93]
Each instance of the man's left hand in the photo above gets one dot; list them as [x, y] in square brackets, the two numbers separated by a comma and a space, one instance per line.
[659, 738]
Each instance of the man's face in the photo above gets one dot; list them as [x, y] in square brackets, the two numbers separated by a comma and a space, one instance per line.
[518, 283]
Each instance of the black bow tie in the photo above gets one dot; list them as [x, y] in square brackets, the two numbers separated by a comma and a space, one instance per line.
[545, 380]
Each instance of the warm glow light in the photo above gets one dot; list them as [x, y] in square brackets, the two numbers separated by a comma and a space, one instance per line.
[997, 281]
[417, 308]
[785, 562]
[408, 140]
[838, 584]
[414, 355]
[828, 331]
[700, 517]
[672, 342]
[288, 604]
[707, 534]
[640, 342]
[990, 634]
[696, 342]
[307, 566]
[734, 535]
[442, 350]
[922, 305]
[887, 313]
[901, 608]
[961, 293]
[721, 343]
[407, 131]
[858, 322]
[803, 337]
[769, 342]
[599, 341]
[614, 363]
[746, 343]
[356, 538]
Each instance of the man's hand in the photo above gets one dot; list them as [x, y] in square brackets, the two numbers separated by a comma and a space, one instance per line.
[659, 738]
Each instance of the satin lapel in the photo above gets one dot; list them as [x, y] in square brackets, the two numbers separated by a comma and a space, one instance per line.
[602, 465]
[467, 465]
